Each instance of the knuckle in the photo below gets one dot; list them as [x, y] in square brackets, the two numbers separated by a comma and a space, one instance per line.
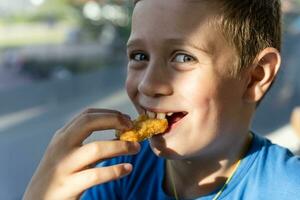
[86, 117]
[95, 149]
[126, 146]
[56, 139]
[58, 131]
[119, 117]
[117, 112]
[88, 110]
[116, 171]
[94, 176]
[57, 168]
[121, 120]
[58, 134]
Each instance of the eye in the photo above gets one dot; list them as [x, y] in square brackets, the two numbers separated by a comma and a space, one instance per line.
[183, 58]
[138, 56]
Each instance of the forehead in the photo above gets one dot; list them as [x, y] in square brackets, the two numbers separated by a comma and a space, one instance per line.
[187, 20]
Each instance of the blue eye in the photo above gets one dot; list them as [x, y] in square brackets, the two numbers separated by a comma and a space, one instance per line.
[139, 56]
[183, 58]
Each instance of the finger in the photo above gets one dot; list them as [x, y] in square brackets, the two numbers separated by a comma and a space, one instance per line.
[94, 152]
[90, 122]
[83, 180]
[89, 110]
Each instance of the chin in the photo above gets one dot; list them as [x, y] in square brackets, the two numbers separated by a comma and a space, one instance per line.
[173, 148]
[166, 148]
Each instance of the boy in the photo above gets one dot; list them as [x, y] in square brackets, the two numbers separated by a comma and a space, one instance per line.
[206, 64]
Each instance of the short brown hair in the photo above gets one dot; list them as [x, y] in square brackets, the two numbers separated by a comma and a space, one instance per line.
[250, 26]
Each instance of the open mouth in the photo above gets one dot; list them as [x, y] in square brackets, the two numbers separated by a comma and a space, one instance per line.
[172, 117]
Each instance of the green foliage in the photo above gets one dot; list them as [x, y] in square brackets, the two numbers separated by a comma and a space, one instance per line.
[92, 29]
[74, 27]
[71, 12]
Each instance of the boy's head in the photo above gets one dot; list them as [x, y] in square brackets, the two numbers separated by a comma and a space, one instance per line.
[212, 59]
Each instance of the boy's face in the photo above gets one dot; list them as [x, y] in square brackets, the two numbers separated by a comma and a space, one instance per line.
[177, 63]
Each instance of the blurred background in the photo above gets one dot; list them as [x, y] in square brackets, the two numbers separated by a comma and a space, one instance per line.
[59, 56]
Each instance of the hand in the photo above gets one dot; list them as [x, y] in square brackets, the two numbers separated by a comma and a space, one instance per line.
[65, 171]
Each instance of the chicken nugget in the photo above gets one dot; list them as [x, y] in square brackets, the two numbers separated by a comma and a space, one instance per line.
[144, 128]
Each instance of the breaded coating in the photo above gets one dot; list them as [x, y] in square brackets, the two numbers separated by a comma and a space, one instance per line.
[144, 128]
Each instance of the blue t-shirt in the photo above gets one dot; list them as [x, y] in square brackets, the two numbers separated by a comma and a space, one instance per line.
[267, 172]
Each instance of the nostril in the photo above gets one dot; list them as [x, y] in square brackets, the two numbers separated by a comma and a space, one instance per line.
[158, 95]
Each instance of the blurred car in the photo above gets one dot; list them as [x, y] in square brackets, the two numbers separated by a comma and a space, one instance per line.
[48, 61]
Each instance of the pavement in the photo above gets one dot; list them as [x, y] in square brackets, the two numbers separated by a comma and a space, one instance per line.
[10, 78]
[25, 131]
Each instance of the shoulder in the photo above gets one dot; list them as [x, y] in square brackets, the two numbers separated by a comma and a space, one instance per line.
[277, 156]
[278, 167]
[268, 171]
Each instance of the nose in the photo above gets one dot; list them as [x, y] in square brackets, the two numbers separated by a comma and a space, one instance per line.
[155, 81]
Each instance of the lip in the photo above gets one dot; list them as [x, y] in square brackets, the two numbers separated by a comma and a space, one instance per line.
[158, 110]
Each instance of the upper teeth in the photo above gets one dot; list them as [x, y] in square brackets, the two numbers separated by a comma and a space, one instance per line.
[161, 116]
[153, 115]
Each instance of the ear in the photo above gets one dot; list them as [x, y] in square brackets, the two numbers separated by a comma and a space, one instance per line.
[261, 74]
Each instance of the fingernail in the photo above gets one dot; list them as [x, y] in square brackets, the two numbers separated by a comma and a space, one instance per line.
[127, 167]
[130, 124]
[127, 125]
[127, 116]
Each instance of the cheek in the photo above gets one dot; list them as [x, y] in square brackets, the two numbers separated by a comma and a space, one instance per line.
[203, 107]
[131, 93]
[131, 84]
[200, 90]
[201, 95]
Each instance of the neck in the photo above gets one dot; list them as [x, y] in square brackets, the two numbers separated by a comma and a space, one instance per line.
[197, 177]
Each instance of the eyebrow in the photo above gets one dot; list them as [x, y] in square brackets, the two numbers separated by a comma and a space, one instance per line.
[176, 41]
[134, 42]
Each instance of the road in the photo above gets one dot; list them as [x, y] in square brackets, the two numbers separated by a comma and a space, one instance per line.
[24, 134]
[22, 145]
